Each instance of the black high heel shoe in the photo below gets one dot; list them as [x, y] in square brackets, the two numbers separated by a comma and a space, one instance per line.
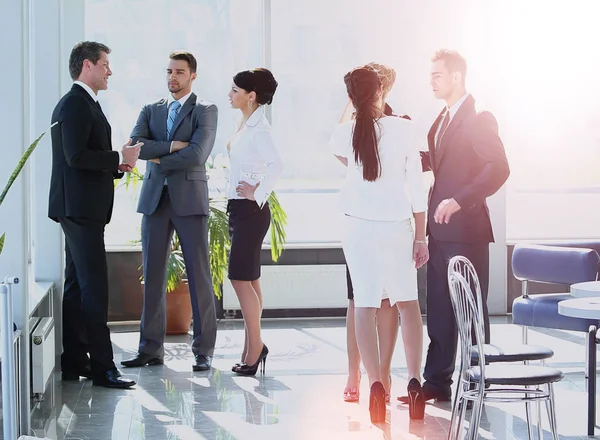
[416, 400]
[377, 403]
[250, 370]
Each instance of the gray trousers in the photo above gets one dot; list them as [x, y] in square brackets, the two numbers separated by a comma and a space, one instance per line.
[157, 231]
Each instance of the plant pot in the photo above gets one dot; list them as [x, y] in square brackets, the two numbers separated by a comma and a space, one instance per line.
[179, 310]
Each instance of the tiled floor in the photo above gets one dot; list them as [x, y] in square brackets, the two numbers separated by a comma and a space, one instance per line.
[299, 398]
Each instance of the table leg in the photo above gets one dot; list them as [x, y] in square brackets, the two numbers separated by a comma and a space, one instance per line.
[592, 380]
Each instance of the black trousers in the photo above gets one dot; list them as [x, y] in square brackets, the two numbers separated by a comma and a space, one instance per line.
[85, 297]
[441, 323]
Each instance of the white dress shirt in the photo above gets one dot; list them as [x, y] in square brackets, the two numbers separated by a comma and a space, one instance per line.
[88, 89]
[399, 191]
[253, 158]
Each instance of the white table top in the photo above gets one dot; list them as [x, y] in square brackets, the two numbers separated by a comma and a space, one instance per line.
[588, 308]
[586, 290]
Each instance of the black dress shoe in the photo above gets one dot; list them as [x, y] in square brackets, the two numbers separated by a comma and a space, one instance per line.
[75, 374]
[202, 363]
[142, 359]
[112, 379]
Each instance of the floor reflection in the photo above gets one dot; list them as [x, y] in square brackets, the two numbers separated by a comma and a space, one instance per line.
[300, 397]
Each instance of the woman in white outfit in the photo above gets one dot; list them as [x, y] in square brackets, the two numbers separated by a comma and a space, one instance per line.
[255, 167]
[383, 191]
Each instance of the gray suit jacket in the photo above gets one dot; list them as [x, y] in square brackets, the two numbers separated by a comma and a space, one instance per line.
[184, 170]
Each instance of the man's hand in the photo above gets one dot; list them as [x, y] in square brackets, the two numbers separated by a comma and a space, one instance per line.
[157, 160]
[244, 189]
[131, 153]
[445, 210]
[178, 145]
[124, 168]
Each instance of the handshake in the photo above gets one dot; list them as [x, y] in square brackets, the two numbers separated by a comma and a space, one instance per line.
[130, 155]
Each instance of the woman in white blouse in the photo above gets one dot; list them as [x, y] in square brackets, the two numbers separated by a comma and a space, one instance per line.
[255, 167]
[383, 191]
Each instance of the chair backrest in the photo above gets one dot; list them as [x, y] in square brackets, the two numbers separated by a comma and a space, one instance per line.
[554, 264]
[468, 319]
[463, 266]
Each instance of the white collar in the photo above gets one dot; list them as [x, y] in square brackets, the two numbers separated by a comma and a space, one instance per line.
[181, 100]
[88, 89]
[454, 109]
[255, 117]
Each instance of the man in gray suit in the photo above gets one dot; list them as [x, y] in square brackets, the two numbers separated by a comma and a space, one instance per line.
[178, 133]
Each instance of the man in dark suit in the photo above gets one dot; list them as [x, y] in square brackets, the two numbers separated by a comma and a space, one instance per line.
[81, 200]
[469, 164]
[178, 133]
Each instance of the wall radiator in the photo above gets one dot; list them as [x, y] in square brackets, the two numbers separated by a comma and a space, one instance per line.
[297, 287]
[43, 355]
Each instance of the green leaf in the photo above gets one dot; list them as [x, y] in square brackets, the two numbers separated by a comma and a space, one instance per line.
[2, 242]
[22, 163]
[278, 223]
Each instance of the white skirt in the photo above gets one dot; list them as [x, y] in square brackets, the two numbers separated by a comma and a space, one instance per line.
[379, 255]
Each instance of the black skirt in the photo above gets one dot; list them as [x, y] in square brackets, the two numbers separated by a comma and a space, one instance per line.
[248, 225]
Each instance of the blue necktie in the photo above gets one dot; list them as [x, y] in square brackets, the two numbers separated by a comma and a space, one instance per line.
[173, 111]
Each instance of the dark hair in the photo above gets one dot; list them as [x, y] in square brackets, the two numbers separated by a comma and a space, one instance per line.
[453, 60]
[85, 50]
[362, 85]
[260, 81]
[185, 56]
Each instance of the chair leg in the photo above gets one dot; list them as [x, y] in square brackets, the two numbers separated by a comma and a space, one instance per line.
[453, 432]
[476, 416]
[551, 412]
[540, 429]
[528, 418]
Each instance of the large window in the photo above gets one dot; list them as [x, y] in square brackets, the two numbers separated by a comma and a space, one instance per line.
[540, 84]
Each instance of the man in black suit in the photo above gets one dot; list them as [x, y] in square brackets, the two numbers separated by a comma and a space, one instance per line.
[469, 164]
[81, 200]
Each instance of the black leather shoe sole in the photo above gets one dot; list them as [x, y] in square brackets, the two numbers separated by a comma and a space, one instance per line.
[120, 384]
[139, 363]
[200, 367]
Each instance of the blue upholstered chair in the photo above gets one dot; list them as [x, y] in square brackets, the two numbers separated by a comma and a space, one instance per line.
[551, 264]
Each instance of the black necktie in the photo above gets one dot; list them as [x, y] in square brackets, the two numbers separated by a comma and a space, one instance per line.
[443, 128]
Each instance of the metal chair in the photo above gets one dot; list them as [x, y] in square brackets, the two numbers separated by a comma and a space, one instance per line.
[506, 382]
[495, 353]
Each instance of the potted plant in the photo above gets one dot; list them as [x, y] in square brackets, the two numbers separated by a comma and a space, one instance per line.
[179, 312]
[17, 171]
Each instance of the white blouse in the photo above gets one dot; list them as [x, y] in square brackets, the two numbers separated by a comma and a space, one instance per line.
[253, 158]
[400, 190]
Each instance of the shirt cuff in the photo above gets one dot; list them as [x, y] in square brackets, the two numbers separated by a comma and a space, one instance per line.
[120, 157]
[171, 147]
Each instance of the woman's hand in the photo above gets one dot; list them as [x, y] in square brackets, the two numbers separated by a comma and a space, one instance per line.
[244, 189]
[420, 254]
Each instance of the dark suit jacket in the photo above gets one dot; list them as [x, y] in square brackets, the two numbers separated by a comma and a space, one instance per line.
[185, 170]
[469, 165]
[83, 163]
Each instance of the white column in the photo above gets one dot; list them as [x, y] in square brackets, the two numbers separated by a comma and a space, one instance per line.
[14, 213]
[48, 253]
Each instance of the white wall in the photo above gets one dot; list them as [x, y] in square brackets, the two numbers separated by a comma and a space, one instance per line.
[39, 36]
